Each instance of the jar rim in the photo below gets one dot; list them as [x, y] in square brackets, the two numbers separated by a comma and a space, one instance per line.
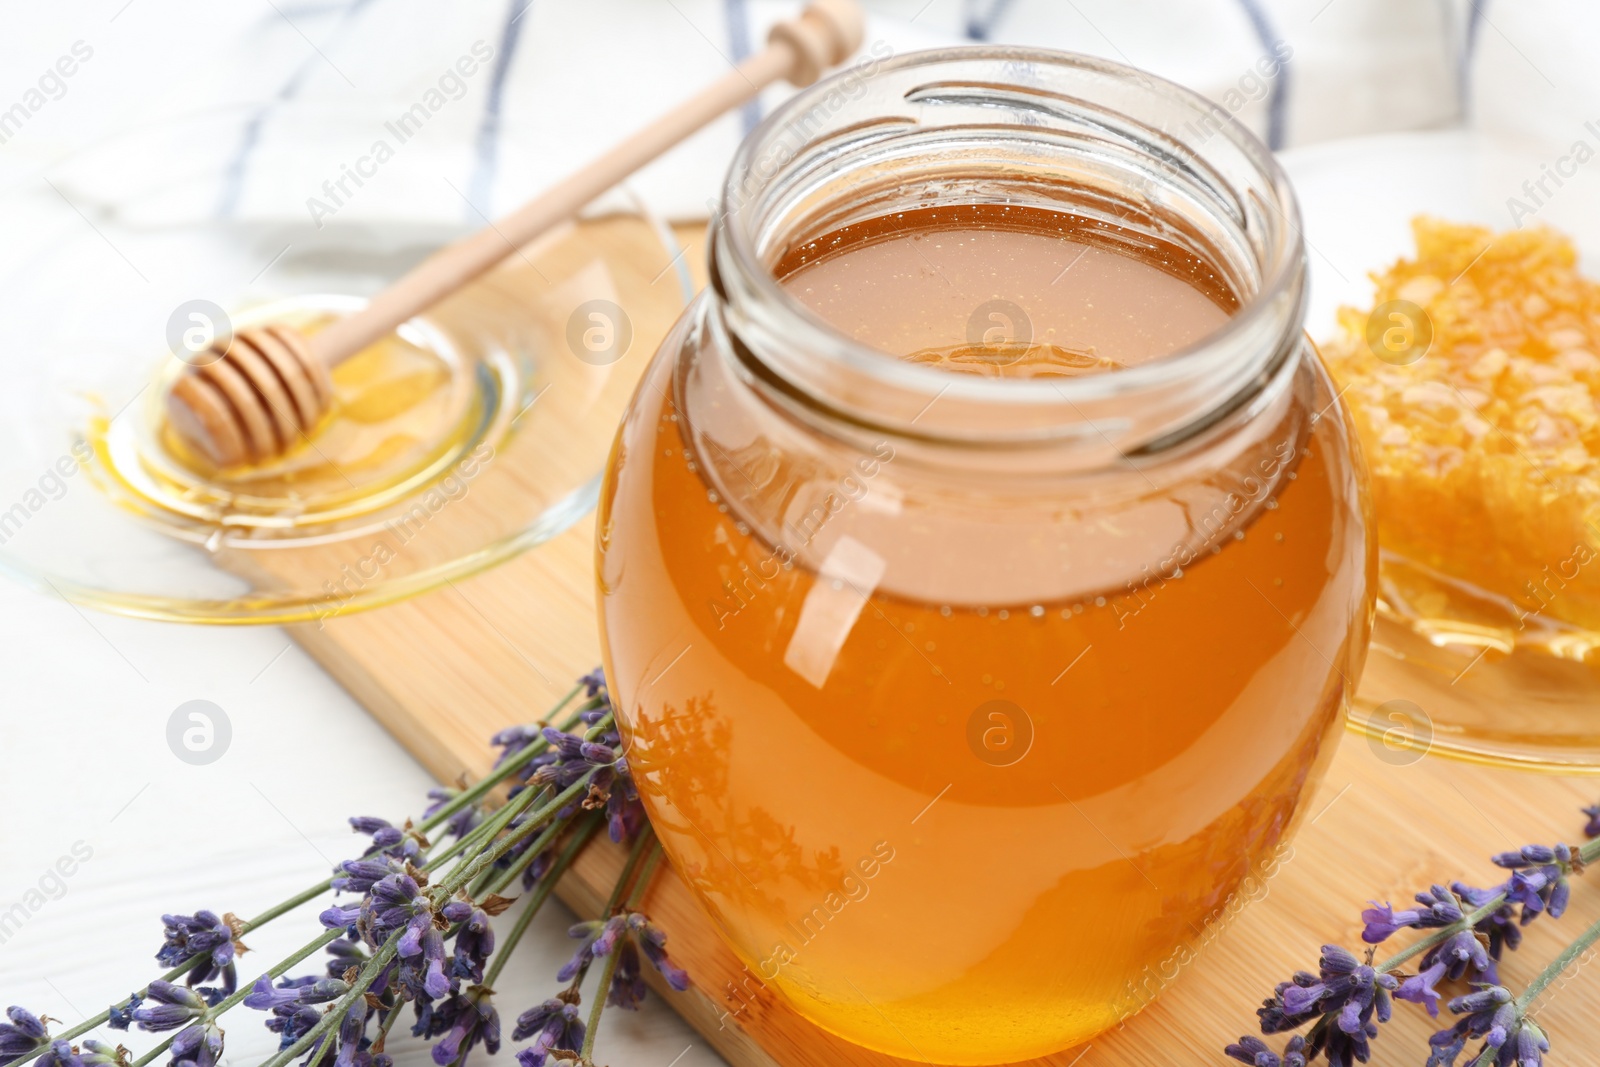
[1274, 309]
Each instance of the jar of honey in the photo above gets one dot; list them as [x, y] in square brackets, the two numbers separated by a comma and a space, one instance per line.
[985, 561]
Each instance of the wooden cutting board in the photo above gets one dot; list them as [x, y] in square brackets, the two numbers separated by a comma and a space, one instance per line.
[445, 670]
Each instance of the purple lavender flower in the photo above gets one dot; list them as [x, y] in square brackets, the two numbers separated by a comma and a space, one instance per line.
[1451, 959]
[1499, 926]
[570, 763]
[475, 1020]
[610, 782]
[513, 739]
[653, 940]
[434, 1018]
[1438, 908]
[263, 997]
[22, 1035]
[290, 993]
[121, 1015]
[198, 1046]
[599, 694]
[421, 974]
[627, 981]
[555, 1024]
[373, 826]
[1348, 1000]
[1531, 856]
[314, 990]
[291, 1024]
[1538, 879]
[359, 876]
[1419, 988]
[1254, 1051]
[1592, 828]
[602, 937]
[174, 1006]
[1531, 1044]
[352, 1034]
[201, 934]
[1461, 953]
[92, 1054]
[1528, 888]
[598, 936]
[394, 904]
[387, 839]
[473, 943]
[1492, 1014]
[624, 813]
[343, 955]
[59, 1054]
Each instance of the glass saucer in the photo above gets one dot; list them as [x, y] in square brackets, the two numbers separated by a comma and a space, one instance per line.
[474, 433]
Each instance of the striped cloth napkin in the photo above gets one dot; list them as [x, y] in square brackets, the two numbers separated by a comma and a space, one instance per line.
[351, 111]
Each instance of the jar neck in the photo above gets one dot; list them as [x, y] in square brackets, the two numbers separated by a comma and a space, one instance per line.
[1049, 130]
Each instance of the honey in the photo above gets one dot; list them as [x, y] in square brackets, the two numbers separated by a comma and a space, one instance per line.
[396, 408]
[1483, 436]
[400, 416]
[963, 768]
[1090, 307]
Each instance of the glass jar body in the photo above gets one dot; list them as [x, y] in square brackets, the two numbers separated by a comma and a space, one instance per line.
[962, 762]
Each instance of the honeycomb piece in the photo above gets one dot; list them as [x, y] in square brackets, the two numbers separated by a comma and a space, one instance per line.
[1484, 447]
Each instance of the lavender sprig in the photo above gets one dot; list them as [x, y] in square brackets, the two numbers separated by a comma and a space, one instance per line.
[26, 1034]
[647, 845]
[420, 931]
[406, 941]
[118, 1016]
[214, 940]
[1342, 1007]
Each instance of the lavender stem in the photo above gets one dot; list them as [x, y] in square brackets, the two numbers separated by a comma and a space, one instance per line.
[1556, 966]
[546, 886]
[464, 874]
[646, 844]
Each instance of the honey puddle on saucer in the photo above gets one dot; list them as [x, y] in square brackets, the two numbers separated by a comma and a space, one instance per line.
[980, 831]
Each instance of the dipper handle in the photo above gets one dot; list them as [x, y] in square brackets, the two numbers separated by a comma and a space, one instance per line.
[797, 51]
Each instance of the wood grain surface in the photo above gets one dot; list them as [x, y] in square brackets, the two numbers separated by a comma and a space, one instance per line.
[446, 669]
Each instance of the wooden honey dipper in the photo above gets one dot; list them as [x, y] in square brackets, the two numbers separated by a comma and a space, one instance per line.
[269, 386]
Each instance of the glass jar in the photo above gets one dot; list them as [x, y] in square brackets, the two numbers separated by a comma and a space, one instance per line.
[965, 702]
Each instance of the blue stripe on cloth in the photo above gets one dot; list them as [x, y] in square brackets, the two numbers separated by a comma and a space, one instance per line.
[1278, 101]
[250, 135]
[486, 150]
[1469, 51]
[980, 26]
[738, 13]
